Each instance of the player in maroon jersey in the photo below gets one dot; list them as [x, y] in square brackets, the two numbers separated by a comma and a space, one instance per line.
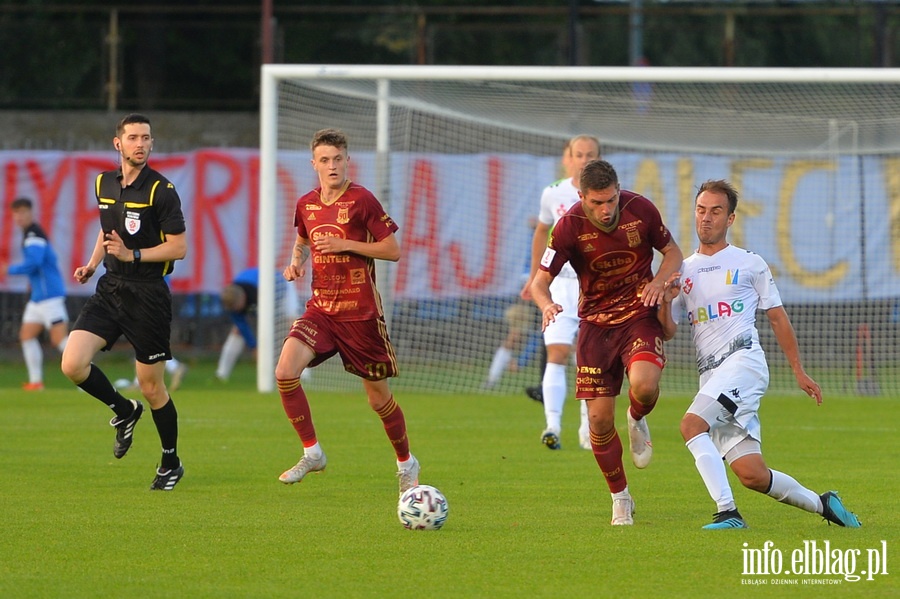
[344, 229]
[609, 239]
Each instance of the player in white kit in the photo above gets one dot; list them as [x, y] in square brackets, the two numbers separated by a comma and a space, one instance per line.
[559, 337]
[721, 286]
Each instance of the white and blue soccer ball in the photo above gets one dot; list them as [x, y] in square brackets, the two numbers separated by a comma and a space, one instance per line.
[422, 508]
[122, 384]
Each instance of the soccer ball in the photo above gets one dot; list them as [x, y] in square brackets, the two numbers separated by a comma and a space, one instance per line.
[422, 508]
[122, 384]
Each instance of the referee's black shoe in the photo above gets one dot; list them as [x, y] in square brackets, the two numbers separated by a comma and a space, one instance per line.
[536, 393]
[167, 479]
[125, 429]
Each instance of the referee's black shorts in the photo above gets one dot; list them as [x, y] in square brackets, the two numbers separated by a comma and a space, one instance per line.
[139, 309]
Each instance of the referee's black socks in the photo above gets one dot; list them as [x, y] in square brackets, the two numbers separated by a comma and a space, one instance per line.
[166, 420]
[98, 385]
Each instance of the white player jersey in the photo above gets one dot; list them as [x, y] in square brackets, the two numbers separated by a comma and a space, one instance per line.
[556, 199]
[720, 295]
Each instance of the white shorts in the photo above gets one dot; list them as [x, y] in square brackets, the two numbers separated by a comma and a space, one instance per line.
[47, 312]
[735, 388]
[563, 330]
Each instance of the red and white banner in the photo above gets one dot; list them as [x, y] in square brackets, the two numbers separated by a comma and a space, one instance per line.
[465, 219]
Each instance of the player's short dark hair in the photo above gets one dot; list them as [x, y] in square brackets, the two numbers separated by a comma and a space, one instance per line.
[130, 119]
[720, 186]
[20, 203]
[329, 137]
[598, 175]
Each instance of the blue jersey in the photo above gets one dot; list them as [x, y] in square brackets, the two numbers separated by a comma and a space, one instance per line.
[248, 280]
[40, 265]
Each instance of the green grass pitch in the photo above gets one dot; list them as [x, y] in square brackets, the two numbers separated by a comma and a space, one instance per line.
[524, 521]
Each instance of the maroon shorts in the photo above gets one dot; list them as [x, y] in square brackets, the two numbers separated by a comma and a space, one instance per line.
[364, 345]
[605, 353]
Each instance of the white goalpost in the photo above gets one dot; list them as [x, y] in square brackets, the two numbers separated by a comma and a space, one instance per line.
[459, 155]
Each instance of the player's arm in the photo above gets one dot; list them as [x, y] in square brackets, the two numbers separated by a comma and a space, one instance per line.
[386, 249]
[299, 256]
[173, 248]
[538, 245]
[32, 259]
[540, 293]
[787, 340]
[664, 311]
[83, 273]
[653, 291]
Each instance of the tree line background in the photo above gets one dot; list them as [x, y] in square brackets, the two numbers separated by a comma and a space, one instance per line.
[205, 54]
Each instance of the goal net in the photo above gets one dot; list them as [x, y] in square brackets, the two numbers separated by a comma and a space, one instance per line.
[459, 156]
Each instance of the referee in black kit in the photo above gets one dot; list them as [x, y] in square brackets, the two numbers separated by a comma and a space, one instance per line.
[141, 234]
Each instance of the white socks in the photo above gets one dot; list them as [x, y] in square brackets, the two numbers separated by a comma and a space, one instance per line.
[34, 359]
[498, 365]
[231, 351]
[554, 388]
[712, 470]
[623, 494]
[313, 451]
[787, 490]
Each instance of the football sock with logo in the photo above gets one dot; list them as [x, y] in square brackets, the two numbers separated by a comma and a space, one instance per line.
[166, 421]
[97, 385]
[554, 388]
[395, 426]
[296, 407]
[608, 453]
[786, 489]
[712, 470]
[638, 409]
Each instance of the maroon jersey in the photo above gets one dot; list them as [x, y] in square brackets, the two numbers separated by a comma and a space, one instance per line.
[612, 266]
[343, 285]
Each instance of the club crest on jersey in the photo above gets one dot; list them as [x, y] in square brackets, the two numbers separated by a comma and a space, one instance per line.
[343, 216]
[731, 276]
[634, 237]
[688, 285]
[132, 222]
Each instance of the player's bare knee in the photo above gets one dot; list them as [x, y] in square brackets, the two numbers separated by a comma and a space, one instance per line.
[73, 369]
[645, 392]
[284, 372]
[601, 424]
[755, 479]
[692, 425]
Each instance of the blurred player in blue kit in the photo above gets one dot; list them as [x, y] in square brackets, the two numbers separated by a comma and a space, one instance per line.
[239, 300]
[46, 307]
